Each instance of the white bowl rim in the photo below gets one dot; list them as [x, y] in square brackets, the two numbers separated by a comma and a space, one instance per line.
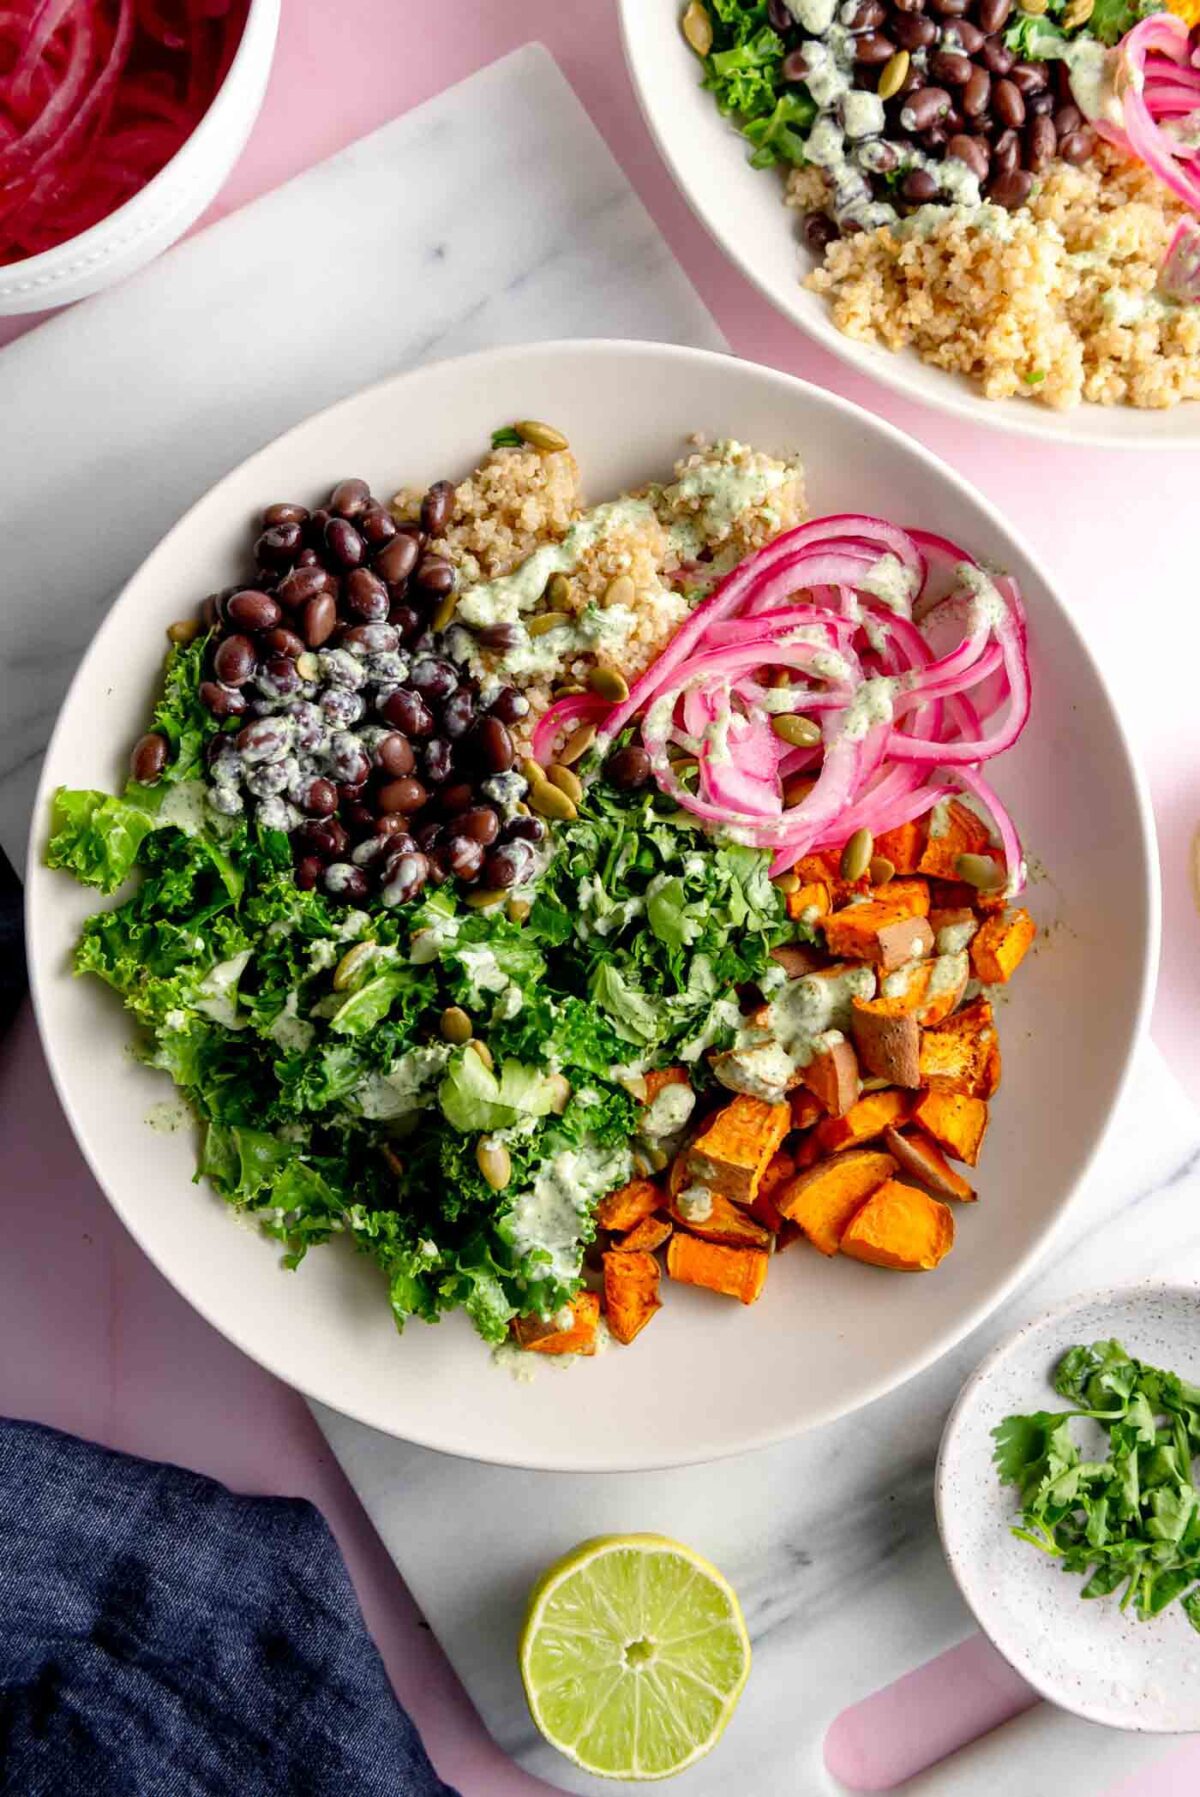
[166, 193]
[1016, 417]
[907, 1368]
[1058, 1313]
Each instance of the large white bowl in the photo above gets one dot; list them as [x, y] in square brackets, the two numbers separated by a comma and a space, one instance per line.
[709, 1378]
[161, 211]
[743, 209]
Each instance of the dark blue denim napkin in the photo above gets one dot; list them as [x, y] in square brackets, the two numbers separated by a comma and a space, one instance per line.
[161, 1637]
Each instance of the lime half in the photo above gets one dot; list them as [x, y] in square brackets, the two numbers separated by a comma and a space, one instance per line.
[634, 1654]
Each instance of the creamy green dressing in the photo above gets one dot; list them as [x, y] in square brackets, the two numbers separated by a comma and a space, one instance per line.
[549, 1216]
[406, 1084]
[871, 705]
[669, 1111]
[889, 581]
[217, 994]
[1092, 69]
[952, 938]
[809, 1016]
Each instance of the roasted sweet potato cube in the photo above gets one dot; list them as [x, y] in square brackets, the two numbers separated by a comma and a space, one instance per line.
[725, 1222]
[1001, 945]
[958, 918]
[903, 846]
[763, 1209]
[665, 1076]
[930, 989]
[922, 1159]
[731, 1154]
[900, 1227]
[955, 1120]
[884, 931]
[644, 1237]
[630, 1292]
[954, 830]
[737, 1272]
[888, 1043]
[806, 1109]
[544, 1336]
[628, 1205]
[823, 1199]
[832, 1077]
[963, 1054]
[809, 901]
[873, 1113]
[807, 1151]
[797, 958]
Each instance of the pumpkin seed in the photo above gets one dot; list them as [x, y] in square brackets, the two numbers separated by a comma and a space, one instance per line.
[788, 882]
[456, 1025]
[560, 1086]
[518, 910]
[796, 791]
[557, 590]
[856, 856]
[697, 28]
[635, 1085]
[494, 1162]
[482, 898]
[352, 963]
[979, 871]
[577, 745]
[1078, 13]
[566, 781]
[894, 72]
[881, 870]
[1034, 8]
[620, 591]
[569, 689]
[550, 801]
[186, 631]
[546, 621]
[606, 683]
[533, 770]
[802, 733]
[484, 1053]
[781, 677]
[391, 1160]
[445, 611]
[540, 436]
[657, 1157]
[307, 665]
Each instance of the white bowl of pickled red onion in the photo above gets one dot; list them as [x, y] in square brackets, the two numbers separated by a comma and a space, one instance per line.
[119, 122]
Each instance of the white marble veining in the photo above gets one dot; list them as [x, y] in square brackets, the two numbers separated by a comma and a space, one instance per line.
[493, 214]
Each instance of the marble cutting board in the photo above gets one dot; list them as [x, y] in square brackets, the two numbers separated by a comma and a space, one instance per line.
[128, 407]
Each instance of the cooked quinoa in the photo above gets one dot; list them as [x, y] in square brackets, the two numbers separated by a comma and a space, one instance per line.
[1054, 302]
[632, 567]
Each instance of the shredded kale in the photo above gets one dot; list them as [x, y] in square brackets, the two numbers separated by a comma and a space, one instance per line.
[743, 72]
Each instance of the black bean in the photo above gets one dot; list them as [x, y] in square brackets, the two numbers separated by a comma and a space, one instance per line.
[909, 6]
[405, 794]
[307, 558]
[950, 67]
[1012, 189]
[360, 820]
[1077, 146]
[977, 94]
[492, 744]
[234, 660]
[993, 15]
[480, 823]
[509, 705]
[912, 31]
[344, 543]
[794, 66]
[500, 636]
[630, 768]
[408, 712]
[458, 714]
[925, 108]
[463, 856]
[1062, 83]
[868, 15]
[397, 559]
[279, 546]
[934, 140]
[779, 18]
[873, 49]
[376, 526]
[428, 836]
[961, 34]
[997, 58]
[318, 619]
[350, 498]
[507, 864]
[283, 675]
[972, 152]
[149, 758]
[365, 596]
[437, 507]
[434, 575]
[283, 513]
[526, 829]
[308, 872]
[434, 678]
[325, 836]
[1006, 153]
[394, 755]
[1067, 118]
[281, 641]
[950, 9]
[456, 798]
[1041, 106]
[394, 825]
[319, 797]
[437, 760]
[403, 877]
[251, 610]
[1030, 77]
[372, 639]
[407, 620]
[346, 882]
[1008, 103]
[302, 584]
[918, 188]
[819, 231]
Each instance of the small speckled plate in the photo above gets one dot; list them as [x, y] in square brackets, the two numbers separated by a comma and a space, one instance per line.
[1086, 1656]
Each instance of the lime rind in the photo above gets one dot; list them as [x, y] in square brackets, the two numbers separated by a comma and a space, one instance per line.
[634, 1655]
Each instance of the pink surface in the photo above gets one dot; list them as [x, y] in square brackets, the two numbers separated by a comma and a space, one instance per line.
[92, 1339]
